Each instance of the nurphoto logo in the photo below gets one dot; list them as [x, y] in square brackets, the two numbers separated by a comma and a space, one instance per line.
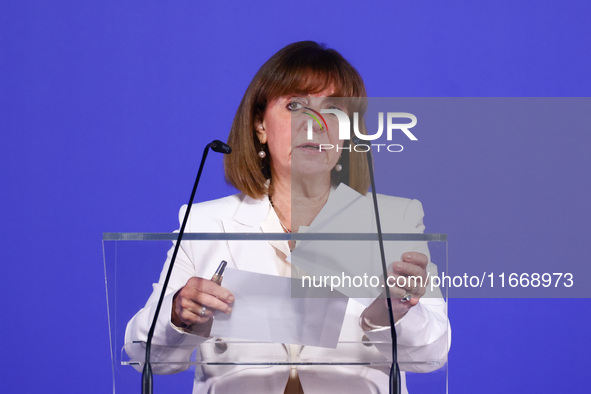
[393, 124]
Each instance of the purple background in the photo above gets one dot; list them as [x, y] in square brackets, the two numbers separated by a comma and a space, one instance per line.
[105, 107]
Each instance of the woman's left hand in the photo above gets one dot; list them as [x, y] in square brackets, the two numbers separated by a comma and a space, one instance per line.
[408, 278]
[407, 282]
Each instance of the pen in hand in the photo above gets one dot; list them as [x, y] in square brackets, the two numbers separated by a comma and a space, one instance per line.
[216, 278]
[219, 273]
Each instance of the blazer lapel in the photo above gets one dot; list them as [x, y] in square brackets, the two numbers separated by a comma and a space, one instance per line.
[254, 256]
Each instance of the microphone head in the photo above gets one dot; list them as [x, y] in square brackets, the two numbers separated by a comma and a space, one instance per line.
[356, 140]
[220, 147]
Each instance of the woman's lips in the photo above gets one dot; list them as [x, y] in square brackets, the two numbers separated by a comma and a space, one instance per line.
[309, 146]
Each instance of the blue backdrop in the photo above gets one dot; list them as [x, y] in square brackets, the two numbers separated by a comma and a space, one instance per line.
[105, 107]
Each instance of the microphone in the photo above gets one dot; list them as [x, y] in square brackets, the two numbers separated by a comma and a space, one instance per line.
[356, 140]
[395, 384]
[147, 378]
[220, 147]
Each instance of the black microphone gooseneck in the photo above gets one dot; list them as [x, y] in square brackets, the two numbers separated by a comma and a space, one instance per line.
[395, 386]
[147, 379]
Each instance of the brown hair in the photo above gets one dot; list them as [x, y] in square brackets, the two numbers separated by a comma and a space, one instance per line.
[301, 67]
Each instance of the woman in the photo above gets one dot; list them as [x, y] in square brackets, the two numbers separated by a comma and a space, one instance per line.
[286, 180]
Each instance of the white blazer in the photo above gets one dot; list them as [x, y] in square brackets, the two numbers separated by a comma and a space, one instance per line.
[423, 333]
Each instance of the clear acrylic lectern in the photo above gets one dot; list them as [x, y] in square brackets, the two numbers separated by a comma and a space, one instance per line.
[133, 261]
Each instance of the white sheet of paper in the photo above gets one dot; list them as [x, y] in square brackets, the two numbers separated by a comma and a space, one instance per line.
[265, 311]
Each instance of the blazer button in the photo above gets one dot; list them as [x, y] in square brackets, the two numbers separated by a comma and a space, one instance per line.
[220, 346]
[366, 342]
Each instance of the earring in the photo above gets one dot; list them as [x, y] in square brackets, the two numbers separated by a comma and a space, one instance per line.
[262, 154]
[338, 167]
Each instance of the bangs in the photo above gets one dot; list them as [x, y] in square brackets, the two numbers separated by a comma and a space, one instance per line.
[307, 70]
[312, 81]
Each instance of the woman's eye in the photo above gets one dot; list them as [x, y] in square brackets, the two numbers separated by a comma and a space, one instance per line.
[294, 105]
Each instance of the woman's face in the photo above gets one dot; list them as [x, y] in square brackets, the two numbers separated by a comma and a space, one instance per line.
[284, 129]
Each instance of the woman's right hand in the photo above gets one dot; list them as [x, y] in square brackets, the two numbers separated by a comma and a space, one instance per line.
[189, 302]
